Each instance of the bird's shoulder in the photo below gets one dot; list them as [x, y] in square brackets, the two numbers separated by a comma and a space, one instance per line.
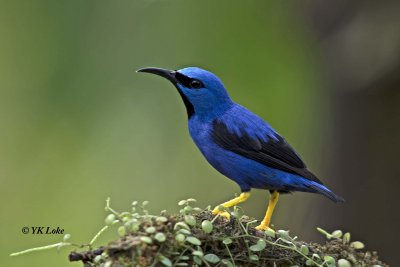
[239, 122]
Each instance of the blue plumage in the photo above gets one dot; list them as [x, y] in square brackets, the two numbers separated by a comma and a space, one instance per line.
[248, 173]
[237, 142]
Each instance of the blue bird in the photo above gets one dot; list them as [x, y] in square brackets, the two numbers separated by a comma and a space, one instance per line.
[238, 143]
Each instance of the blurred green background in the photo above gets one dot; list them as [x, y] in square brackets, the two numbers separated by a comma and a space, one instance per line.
[78, 124]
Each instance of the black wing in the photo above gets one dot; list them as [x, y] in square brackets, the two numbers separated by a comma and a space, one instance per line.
[275, 152]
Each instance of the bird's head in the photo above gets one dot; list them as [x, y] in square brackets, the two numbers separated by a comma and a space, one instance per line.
[202, 92]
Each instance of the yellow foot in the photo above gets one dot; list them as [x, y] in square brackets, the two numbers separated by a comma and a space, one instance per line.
[264, 227]
[243, 196]
[224, 214]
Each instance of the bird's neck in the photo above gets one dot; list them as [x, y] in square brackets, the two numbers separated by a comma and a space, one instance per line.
[210, 111]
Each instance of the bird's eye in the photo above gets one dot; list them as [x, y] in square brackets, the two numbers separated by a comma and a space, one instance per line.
[196, 84]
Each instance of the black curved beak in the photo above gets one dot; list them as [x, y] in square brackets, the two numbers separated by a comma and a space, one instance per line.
[171, 75]
[168, 74]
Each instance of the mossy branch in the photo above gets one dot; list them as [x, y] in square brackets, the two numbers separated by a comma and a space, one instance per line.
[195, 238]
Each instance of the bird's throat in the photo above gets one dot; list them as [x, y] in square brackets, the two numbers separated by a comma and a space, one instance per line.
[188, 104]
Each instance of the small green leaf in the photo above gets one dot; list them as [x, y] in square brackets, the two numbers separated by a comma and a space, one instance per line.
[110, 219]
[187, 209]
[179, 225]
[322, 231]
[182, 202]
[160, 237]
[134, 226]
[227, 263]
[180, 238]
[207, 226]
[181, 264]
[357, 245]
[197, 260]
[304, 249]
[284, 234]
[198, 253]
[346, 238]
[121, 231]
[190, 219]
[337, 234]
[227, 241]
[343, 263]
[330, 260]
[191, 200]
[184, 231]
[212, 258]
[144, 203]
[254, 257]
[193, 240]
[309, 263]
[66, 237]
[269, 232]
[237, 212]
[165, 261]
[146, 239]
[97, 259]
[124, 214]
[260, 245]
[150, 230]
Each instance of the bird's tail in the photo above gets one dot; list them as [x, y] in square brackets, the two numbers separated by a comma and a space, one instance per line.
[323, 190]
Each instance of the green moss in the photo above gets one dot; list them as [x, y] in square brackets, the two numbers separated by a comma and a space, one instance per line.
[196, 238]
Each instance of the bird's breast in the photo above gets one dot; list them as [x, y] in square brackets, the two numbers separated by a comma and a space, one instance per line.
[222, 160]
[246, 172]
[200, 133]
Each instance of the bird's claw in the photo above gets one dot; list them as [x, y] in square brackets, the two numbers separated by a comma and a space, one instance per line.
[263, 227]
[224, 214]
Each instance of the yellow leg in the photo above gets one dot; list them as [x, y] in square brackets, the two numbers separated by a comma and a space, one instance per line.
[243, 197]
[264, 225]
